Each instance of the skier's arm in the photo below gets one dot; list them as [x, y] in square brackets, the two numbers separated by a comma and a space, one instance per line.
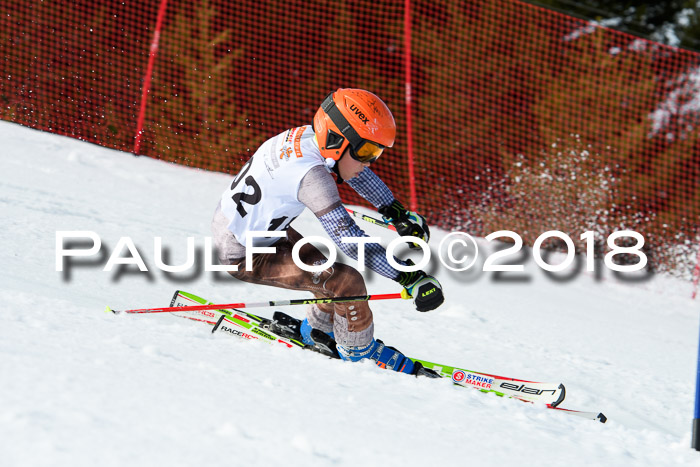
[373, 189]
[425, 289]
[338, 224]
[319, 193]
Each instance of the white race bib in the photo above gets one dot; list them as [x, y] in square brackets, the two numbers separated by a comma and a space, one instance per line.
[263, 196]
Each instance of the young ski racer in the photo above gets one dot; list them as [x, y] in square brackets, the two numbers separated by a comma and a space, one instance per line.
[291, 172]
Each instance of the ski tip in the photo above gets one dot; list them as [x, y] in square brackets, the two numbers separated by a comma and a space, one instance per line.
[602, 418]
[562, 396]
[108, 310]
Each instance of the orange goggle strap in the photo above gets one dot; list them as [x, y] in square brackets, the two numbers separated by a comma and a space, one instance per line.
[335, 141]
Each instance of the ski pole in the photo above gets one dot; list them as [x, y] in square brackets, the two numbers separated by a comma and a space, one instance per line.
[372, 220]
[302, 301]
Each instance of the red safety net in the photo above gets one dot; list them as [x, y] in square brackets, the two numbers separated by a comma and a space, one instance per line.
[522, 118]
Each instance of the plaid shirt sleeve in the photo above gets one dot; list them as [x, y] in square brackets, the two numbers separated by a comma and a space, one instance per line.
[339, 225]
[372, 188]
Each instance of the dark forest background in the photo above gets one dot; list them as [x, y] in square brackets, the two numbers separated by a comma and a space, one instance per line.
[672, 22]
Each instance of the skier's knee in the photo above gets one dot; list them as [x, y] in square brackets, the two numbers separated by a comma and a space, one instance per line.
[349, 282]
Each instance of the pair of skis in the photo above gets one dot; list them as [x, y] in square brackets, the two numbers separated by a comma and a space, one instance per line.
[242, 324]
[230, 319]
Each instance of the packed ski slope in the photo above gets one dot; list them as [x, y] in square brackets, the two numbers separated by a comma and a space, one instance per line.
[81, 387]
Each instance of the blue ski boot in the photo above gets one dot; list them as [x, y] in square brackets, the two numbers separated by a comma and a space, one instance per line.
[308, 334]
[316, 340]
[385, 357]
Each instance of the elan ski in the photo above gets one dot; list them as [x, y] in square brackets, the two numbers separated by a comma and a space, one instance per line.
[282, 330]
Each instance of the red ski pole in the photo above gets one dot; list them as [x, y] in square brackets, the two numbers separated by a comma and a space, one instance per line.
[302, 301]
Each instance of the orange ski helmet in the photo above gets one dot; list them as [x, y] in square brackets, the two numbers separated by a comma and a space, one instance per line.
[356, 118]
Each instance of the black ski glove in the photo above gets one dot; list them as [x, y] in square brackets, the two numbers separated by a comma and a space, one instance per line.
[407, 223]
[425, 290]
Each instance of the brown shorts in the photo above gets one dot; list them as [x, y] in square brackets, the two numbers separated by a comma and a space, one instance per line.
[351, 322]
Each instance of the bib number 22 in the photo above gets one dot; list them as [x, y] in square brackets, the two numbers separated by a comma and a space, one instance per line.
[253, 198]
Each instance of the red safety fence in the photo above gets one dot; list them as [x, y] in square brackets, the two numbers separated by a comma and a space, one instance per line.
[521, 118]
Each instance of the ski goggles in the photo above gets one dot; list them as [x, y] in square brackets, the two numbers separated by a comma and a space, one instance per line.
[368, 152]
[362, 150]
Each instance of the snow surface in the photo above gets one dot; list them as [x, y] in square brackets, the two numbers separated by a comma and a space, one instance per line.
[81, 387]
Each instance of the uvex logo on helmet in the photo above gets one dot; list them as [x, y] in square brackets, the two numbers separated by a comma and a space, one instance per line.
[359, 113]
[345, 110]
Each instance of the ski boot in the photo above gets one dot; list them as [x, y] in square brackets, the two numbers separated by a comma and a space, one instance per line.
[386, 357]
[316, 340]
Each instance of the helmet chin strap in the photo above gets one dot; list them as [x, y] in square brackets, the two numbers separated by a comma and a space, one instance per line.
[333, 165]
